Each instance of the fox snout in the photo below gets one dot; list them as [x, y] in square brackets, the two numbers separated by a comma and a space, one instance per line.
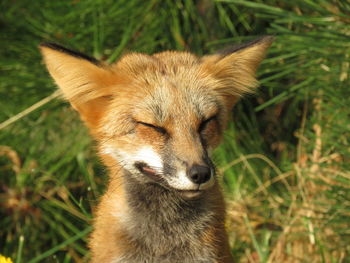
[199, 174]
[170, 171]
[196, 178]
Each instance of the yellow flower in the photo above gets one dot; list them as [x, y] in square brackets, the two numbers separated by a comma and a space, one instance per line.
[5, 259]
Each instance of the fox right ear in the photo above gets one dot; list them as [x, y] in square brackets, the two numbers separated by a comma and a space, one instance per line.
[235, 68]
[85, 83]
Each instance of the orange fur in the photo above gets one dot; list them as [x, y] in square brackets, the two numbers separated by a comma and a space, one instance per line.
[166, 111]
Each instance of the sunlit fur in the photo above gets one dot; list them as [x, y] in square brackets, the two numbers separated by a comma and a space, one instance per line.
[165, 112]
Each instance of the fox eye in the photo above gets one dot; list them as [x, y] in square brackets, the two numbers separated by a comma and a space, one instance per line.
[204, 123]
[157, 128]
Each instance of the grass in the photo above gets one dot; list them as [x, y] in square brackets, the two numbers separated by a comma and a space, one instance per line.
[286, 157]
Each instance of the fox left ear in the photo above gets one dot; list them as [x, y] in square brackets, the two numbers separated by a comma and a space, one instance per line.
[84, 81]
[234, 69]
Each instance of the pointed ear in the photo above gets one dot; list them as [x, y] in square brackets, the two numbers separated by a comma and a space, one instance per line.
[234, 69]
[84, 82]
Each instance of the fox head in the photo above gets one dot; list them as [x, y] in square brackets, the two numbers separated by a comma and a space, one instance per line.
[157, 117]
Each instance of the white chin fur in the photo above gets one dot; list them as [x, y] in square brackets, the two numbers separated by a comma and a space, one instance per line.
[183, 183]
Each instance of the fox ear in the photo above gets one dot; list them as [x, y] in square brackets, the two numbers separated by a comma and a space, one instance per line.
[83, 80]
[235, 68]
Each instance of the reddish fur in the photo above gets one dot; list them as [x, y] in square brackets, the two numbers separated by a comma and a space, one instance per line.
[91, 89]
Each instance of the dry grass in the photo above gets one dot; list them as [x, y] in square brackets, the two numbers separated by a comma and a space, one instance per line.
[296, 229]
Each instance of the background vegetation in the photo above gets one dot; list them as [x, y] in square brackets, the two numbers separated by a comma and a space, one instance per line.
[286, 157]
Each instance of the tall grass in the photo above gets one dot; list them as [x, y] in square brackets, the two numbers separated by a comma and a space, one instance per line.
[286, 157]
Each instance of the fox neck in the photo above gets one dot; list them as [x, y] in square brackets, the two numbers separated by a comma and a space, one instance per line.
[159, 222]
[153, 203]
[153, 206]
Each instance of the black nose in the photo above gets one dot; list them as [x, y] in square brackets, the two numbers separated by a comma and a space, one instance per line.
[199, 174]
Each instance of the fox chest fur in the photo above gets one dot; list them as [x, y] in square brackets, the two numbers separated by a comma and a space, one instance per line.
[165, 229]
[156, 119]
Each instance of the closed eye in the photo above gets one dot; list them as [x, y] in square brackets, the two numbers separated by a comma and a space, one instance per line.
[157, 128]
[204, 123]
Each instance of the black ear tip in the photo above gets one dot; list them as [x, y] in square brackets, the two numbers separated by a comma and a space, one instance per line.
[259, 40]
[48, 44]
[266, 38]
[52, 45]
[70, 52]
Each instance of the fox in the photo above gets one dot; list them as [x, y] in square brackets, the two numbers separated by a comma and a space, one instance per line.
[156, 120]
